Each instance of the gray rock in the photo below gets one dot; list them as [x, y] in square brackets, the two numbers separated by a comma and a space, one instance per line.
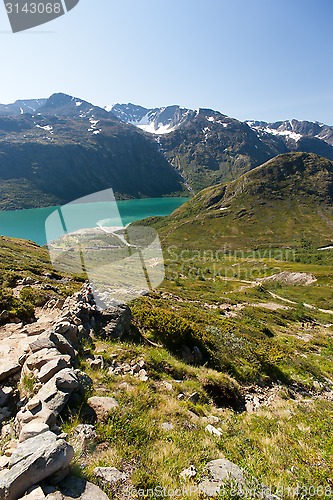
[32, 429]
[62, 344]
[166, 426]
[52, 367]
[78, 488]
[114, 322]
[213, 430]
[188, 473]
[110, 475]
[102, 406]
[43, 342]
[220, 472]
[9, 367]
[35, 493]
[33, 461]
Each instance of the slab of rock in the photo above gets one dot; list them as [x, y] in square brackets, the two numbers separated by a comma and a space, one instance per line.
[40, 358]
[213, 430]
[78, 488]
[32, 429]
[9, 367]
[221, 471]
[102, 406]
[33, 461]
[52, 367]
[109, 475]
[35, 494]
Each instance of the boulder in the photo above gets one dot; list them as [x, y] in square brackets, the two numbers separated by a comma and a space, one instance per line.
[35, 493]
[62, 344]
[78, 488]
[5, 393]
[33, 461]
[114, 322]
[213, 430]
[109, 475]
[102, 406]
[220, 472]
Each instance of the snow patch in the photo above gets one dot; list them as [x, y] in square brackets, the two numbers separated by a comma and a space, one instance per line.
[78, 103]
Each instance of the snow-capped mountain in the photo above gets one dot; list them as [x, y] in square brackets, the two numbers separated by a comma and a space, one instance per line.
[21, 106]
[156, 120]
[294, 130]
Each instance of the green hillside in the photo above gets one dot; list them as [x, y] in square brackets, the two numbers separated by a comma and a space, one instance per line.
[286, 201]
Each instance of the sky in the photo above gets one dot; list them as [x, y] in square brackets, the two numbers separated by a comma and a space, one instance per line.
[250, 59]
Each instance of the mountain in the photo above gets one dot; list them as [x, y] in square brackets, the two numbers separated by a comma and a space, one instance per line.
[208, 147]
[21, 106]
[283, 202]
[69, 149]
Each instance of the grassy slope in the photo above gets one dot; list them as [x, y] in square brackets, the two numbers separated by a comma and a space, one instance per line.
[286, 200]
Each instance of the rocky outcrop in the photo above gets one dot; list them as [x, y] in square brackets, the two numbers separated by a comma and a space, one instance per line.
[44, 364]
[34, 460]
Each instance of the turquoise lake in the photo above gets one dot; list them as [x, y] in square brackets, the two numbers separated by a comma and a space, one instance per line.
[30, 224]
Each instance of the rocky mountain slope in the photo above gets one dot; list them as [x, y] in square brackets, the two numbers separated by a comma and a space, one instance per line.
[70, 148]
[284, 201]
[208, 147]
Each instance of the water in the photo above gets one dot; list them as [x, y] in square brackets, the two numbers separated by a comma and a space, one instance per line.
[30, 224]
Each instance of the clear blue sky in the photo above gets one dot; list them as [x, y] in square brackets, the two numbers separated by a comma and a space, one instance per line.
[262, 59]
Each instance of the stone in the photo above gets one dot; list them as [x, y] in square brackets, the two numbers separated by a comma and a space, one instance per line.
[96, 364]
[35, 493]
[143, 375]
[110, 475]
[114, 322]
[167, 385]
[4, 461]
[8, 367]
[32, 429]
[5, 393]
[188, 473]
[52, 367]
[181, 397]
[62, 344]
[102, 406]
[32, 404]
[213, 430]
[221, 471]
[33, 461]
[78, 488]
[42, 342]
[40, 358]
[194, 398]
[166, 426]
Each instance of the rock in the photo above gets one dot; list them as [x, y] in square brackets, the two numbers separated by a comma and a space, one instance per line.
[188, 473]
[32, 429]
[5, 393]
[96, 364]
[38, 359]
[166, 426]
[32, 404]
[4, 461]
[181, 397]
[211, 419]
[35, 493]
[194, 398]
[85, 382]
[167, 385]
[102, 406]
[220, 472]
[52, 367]
[143, 376]
[78, 488]
[33, 461]
[213, 430]
[42, 342]
[9, 367]
[109, 475]
[114, 322]
[62, 344]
